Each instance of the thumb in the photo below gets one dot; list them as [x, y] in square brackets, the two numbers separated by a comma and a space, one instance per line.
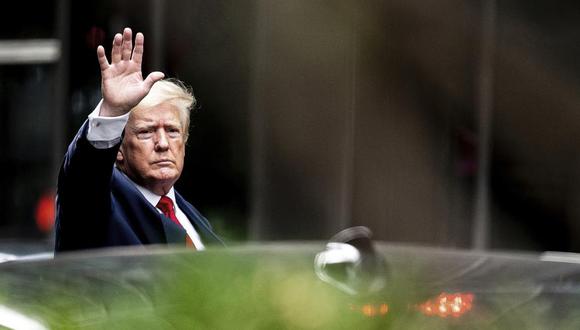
[152, 78]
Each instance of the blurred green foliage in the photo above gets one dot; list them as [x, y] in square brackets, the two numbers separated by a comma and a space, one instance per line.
[266, 288]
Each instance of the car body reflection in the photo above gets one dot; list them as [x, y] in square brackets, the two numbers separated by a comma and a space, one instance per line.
[273, 285]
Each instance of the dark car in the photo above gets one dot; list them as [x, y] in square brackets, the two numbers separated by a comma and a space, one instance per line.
[347, 283]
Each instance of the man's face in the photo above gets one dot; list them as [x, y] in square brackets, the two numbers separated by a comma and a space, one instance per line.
[153, 148]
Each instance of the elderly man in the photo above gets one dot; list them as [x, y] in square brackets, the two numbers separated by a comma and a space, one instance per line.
[115, 186]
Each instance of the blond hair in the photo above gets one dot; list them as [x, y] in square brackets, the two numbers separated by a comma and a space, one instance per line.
[175, 92]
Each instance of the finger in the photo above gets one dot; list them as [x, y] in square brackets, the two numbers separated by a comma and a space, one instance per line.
[116, 51]
[138, 50]
[127, 44]
[152, 78]
[102, 58]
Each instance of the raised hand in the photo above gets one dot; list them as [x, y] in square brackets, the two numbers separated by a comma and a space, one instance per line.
[122, 82]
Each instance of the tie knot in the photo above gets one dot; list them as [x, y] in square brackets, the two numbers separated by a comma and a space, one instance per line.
[165, 204]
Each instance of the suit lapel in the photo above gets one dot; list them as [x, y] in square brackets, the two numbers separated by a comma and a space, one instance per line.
[198, 221]
[151, 226]
[174, 234]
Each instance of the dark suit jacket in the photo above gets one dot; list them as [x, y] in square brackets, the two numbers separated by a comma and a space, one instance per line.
[97, 206]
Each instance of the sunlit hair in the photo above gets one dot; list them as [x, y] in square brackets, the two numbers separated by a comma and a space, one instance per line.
[175, 92]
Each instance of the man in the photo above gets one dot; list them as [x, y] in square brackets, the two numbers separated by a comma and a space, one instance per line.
[115, 186]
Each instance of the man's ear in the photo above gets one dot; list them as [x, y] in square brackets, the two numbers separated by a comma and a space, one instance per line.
[120, 156]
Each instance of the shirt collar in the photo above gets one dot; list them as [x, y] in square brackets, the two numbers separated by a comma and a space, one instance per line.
[154, 198]
[150, 196]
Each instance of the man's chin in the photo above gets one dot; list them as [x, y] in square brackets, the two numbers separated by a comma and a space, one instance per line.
[165, 174]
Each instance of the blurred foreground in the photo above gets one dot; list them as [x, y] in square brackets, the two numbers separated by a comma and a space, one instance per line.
[275, 286]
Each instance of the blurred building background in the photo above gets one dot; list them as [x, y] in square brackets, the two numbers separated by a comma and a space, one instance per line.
[444, 123]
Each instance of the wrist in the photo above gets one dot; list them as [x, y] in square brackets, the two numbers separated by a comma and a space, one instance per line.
[108, 110]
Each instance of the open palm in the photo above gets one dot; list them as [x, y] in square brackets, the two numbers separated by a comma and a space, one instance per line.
[122, 82]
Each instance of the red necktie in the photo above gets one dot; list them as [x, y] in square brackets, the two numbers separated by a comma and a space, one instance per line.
[165, 204]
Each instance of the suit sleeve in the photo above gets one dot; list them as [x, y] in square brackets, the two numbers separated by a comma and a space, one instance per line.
[84, 194]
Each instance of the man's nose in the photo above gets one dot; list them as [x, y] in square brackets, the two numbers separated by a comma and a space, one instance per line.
[162, 142]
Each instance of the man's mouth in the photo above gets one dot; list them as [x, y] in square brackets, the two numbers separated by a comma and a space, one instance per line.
[163, 162]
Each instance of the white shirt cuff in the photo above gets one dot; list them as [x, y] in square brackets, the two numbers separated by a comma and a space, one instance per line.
[105, 132]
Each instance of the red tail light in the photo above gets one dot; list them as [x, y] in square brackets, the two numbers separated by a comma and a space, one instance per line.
[446, 304]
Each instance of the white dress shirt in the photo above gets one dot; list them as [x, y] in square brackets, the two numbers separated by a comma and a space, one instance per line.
[105, 132]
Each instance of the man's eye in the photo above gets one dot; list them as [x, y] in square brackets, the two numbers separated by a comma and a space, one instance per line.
[144, 134]
[174, 132]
